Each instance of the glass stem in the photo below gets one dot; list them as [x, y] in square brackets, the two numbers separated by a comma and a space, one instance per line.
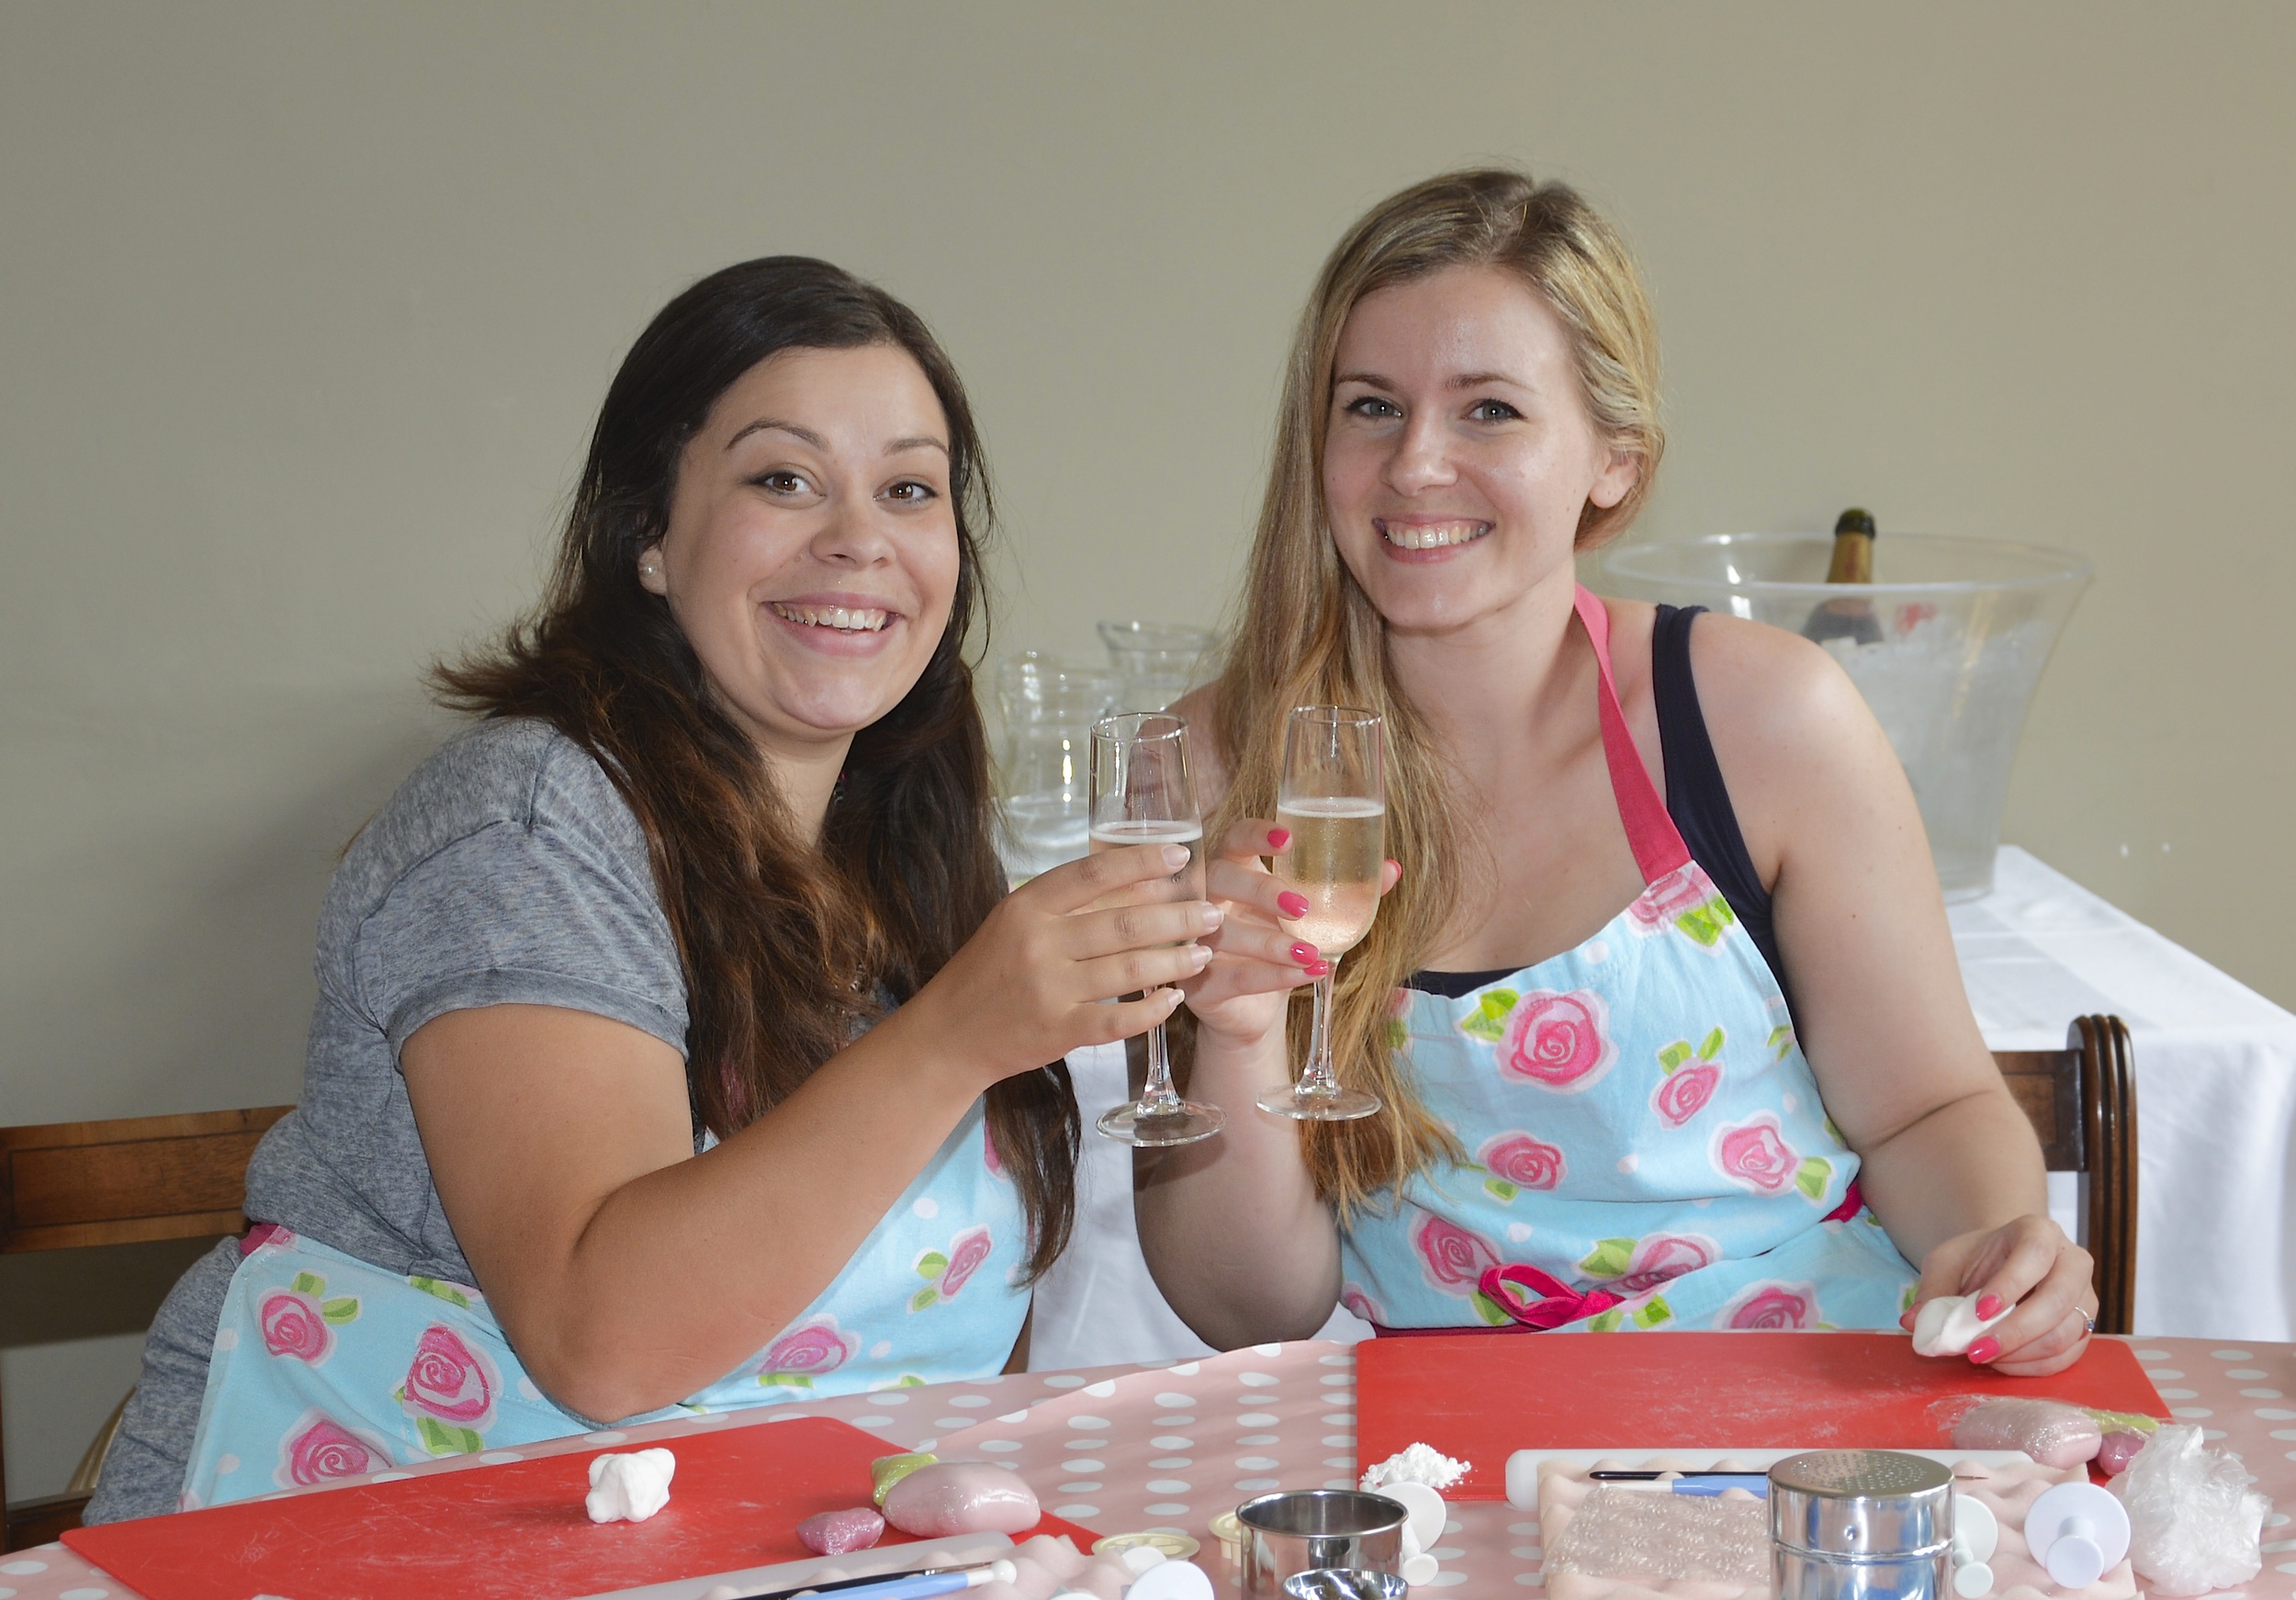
[1156, 1096]
[1319, 1077]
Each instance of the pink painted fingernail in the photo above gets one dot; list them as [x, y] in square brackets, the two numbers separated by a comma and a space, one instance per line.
[1984, 1349]
[1292, 905]
[1277, 837]
[1989, 1307]
[1303, 954]
[1316, 969]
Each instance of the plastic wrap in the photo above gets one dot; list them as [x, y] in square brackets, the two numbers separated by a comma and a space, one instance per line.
[1649, 1533]
[2194, 1523]
[2050, 1432]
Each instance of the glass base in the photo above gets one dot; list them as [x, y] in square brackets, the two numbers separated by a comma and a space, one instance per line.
[1180, 1122]
[1336, 1105]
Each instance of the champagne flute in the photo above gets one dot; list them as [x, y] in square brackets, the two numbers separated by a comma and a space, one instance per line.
[1333, 799]
[1140, 794]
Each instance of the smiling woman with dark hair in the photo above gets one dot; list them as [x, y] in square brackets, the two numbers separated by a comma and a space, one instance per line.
[676, 1043]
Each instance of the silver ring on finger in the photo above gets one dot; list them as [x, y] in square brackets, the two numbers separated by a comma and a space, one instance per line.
[2088, 1325]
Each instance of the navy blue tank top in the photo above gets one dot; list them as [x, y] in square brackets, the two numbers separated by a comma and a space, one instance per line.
[1696, 798]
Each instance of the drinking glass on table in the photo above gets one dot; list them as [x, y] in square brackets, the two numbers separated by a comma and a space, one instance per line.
[1333, 798]
[1048, 708]
[1141, 794]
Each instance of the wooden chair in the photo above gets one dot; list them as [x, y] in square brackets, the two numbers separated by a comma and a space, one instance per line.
[2082, 1102]
[69, 1185]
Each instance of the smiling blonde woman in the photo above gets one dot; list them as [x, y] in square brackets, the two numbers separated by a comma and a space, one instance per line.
[1622, 844]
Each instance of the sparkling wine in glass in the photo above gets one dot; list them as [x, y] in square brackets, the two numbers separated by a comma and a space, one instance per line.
[1333, 799]
[1141, 794]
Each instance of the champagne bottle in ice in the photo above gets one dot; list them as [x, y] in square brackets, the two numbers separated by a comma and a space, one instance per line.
[1849, 618]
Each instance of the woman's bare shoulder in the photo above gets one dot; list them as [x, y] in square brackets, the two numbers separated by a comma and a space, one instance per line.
[1761, 687]
[1799, 750]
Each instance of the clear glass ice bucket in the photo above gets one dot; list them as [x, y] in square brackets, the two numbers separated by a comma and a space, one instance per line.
[1959, 631]
[1049, 706]
[1157, 661]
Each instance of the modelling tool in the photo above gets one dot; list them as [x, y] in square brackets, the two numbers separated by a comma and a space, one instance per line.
[923, 1586]
[861, 1585]
[1977, 1536]
[1692, 1483]
[2079, 1532]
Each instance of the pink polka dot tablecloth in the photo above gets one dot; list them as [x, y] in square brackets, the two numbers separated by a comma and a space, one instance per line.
[1125, 1448]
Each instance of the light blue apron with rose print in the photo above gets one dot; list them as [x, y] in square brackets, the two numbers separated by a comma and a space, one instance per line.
[1645, 1144]
[326, 1366]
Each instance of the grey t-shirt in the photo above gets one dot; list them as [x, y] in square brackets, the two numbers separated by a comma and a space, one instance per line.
[506, 870]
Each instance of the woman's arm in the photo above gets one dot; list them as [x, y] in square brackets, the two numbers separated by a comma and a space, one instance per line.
[1232, 1229]
[1951, 1165]
[630, 1272]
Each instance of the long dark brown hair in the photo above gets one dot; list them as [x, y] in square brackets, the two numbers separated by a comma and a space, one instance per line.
[787, 949]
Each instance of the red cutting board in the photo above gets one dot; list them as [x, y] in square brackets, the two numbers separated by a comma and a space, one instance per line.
[511, 1532]
[1480, 1397]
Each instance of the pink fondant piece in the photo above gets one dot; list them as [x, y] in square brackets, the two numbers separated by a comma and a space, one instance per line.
[2117, 1450]
[833, 1533]
[2052, 1433]
[951, 1497]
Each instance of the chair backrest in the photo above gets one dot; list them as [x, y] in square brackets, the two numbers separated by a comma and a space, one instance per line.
[66, 1184]
[2082, 1103]
[70, 1185]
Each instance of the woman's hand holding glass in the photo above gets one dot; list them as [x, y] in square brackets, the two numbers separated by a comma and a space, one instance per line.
[1242, 997]
[1245, 993]
[1031, 984]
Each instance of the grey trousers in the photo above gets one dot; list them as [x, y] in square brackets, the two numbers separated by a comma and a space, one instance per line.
[143, 1471]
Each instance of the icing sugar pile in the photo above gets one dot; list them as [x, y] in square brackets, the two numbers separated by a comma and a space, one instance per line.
[1416, 1464]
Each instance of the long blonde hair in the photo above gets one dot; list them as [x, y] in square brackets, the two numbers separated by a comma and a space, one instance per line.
[1306, 634]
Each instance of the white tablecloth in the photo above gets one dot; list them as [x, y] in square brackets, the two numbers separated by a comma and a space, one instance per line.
[2215, 1092]
[2216, 1124]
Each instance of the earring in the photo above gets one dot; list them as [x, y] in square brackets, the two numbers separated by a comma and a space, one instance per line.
[650, 568]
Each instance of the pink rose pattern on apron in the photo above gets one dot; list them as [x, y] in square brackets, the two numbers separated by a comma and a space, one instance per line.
[326, 1366]
[1648, 1147]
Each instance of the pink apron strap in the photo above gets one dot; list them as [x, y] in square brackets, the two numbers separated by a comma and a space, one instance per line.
[1658, 844]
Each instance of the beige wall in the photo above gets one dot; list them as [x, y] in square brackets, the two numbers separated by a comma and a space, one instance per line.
[304, 312]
